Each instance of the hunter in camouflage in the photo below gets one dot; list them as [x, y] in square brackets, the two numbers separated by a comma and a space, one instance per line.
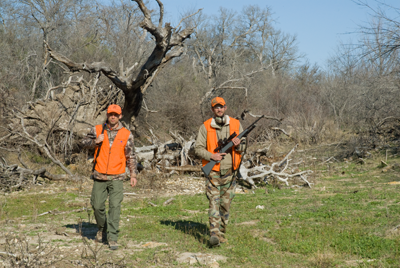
[221, 183]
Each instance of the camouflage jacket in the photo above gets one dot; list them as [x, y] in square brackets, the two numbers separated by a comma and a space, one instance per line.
[90, 143]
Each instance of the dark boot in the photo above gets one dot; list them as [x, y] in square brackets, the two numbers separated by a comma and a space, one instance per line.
[214, 241]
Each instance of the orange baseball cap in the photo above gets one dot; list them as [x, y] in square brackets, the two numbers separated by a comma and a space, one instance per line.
[114, 108]
[217, 100]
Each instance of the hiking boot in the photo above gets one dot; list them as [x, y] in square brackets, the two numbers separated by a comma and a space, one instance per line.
[214, 241]
[101, 236]
[113, 245]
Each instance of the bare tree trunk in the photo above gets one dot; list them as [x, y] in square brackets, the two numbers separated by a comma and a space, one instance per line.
[169, 45]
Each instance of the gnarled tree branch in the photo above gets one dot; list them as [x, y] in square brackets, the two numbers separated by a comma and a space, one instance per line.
[168, 45]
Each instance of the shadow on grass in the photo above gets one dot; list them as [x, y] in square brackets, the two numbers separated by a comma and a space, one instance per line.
[196, 229]
[87, 229]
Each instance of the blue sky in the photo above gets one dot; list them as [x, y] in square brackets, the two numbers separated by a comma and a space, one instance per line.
[320, 25]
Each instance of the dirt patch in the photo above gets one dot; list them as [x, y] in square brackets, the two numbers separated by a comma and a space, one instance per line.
[150, 183]
[260, 234]
[200, 259]
[65, 247]
[193, 211]
[254, 222]
[393, 232]
[345, 180]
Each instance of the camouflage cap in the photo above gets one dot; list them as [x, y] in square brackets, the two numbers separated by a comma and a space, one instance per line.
[217, 100]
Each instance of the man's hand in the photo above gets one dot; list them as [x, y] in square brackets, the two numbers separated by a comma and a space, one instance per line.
[236, 141]
[217, 156]
[133, 180]
[99, 139]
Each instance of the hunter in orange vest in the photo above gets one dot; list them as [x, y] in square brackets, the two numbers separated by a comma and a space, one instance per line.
[111, 160]
[114, 151]
[221, 183]
[212, 142]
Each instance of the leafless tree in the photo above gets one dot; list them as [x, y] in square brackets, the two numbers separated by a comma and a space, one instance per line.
[362, 87]
[231, 49]
[223, 43]
[381, 37]
[134, 82]
[282, 51]
[49, 17]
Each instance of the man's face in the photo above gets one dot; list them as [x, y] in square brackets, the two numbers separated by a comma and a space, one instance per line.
[113, 118]
[219, 110]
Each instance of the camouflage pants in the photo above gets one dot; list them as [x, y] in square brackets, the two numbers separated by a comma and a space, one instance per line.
[220, 198]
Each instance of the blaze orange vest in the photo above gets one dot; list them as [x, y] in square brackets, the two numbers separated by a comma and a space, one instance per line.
[212, 142]
[112, 161]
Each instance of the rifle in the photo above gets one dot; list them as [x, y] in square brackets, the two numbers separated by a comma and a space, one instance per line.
[222, 143]
[98, 150]
[207, 168]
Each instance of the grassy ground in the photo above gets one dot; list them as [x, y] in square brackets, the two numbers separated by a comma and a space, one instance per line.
[349, 218]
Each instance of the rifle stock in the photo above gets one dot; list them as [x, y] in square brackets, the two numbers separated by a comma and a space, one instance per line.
[209, 166]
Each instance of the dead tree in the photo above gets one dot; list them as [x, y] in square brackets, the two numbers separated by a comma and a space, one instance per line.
[55, 123]
[169, 44]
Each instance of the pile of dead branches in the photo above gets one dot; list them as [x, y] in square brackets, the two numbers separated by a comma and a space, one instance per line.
[175, 155]
[14, 177]
[253, 171]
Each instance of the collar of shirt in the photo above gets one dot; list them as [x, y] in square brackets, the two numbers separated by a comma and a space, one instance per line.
[117, 127]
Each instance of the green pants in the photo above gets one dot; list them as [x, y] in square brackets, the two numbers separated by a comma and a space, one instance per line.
[101, 190]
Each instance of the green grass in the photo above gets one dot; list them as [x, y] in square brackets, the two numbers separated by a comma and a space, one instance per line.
[31, 205]
[349, 221]
[37, 158]
[304, 222]
[346, 219]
